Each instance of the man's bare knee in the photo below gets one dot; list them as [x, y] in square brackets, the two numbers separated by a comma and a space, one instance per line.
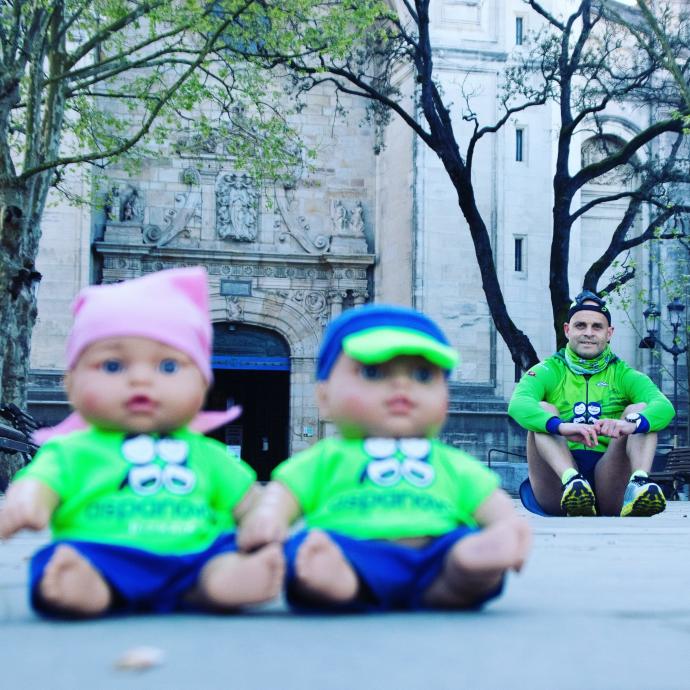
[548, 407]
[633, 407]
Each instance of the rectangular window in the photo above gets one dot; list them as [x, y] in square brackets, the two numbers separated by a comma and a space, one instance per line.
[519, 254]
[519, 144]
[518, 31]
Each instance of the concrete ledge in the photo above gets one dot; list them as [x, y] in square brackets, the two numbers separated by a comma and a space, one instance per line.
[512, 474]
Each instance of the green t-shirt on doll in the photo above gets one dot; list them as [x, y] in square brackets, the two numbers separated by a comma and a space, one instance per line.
[381, 488]
[168, 495]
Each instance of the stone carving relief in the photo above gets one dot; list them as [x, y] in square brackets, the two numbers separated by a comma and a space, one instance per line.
[291, 225]
[213, 142]
[357, 220]
[191, 177]
[237, 207]
[348, 229]
[346, 235]
[152, 233]
[235, 311]
[598, 148]
[248, 270]
[313, 303]
[179, 220]
[124, 203]
[195, 143]
[338, 218]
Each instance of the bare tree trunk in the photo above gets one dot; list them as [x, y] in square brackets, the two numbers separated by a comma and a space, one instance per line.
[559, 284]
[687, 370]
[20, 210]
[522, 352]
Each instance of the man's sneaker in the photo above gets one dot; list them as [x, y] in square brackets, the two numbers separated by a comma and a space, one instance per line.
[642, 498]
[578, 498]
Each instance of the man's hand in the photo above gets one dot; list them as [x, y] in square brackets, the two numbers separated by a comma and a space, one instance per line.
[28, 505]
[579, 432]
[614, 428]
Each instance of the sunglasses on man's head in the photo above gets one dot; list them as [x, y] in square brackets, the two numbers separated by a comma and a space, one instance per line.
[588, 295]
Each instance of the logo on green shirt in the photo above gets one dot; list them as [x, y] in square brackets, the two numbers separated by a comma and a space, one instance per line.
[395, 459]
[148, 476]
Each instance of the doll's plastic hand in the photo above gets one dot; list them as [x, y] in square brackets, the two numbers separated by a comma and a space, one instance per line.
[523, 536]
[261, 527]
[28, 505]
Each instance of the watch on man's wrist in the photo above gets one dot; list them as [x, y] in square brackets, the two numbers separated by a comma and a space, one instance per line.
[634, 418]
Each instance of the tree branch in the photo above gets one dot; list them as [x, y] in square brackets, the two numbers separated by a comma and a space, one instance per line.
[625, 153]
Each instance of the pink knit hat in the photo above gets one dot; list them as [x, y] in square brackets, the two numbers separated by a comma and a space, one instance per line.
[169, 306]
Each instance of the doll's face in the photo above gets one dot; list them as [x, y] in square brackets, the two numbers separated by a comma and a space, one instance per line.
[404, 397]
[136, 385]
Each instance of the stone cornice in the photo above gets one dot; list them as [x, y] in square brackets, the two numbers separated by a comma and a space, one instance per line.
[208, 256]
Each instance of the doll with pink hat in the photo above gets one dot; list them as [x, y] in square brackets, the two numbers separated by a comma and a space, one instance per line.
[142, 507]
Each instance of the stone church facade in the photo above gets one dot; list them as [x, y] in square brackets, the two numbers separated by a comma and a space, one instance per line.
[360, 227]
[272, 281]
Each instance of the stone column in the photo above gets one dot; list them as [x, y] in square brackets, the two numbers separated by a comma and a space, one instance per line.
[335, 301]
[304, 416]
[360, 297]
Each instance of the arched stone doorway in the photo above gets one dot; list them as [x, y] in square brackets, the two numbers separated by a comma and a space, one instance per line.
[251, 368]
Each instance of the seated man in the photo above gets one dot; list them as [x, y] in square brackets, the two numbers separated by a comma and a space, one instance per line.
[591, 422]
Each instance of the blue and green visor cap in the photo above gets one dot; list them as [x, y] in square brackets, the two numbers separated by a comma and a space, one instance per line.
[377, 333]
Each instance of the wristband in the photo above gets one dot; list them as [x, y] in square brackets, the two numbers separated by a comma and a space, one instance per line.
[552, 425]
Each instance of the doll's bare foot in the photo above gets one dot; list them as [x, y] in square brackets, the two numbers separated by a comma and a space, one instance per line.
[323, 573]
[72, 585]
[476, 564]
[232, 580]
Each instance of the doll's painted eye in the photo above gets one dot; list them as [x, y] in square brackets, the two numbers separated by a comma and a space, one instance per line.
[168, 366]
[372, 372]
[112, 366]
[423, 374]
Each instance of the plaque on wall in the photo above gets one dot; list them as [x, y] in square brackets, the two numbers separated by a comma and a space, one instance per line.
[236, 288]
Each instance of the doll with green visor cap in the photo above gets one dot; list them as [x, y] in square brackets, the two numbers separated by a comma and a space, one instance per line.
[394, 518]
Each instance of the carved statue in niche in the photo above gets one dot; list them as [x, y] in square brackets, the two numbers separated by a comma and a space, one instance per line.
[348, 229]
[235, 311]
[339, 217]
[237, 208]
[131, 205]
[357, 222]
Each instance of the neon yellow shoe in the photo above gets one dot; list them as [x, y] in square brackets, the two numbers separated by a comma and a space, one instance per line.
[578, 499]
[643, 498]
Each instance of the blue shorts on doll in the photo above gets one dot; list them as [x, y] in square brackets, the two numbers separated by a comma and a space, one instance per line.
[139, 580]
[392, 576]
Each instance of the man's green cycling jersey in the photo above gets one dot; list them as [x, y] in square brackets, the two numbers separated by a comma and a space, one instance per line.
[581, 398]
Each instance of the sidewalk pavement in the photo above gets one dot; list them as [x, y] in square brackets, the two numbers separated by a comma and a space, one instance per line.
[603, 604]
